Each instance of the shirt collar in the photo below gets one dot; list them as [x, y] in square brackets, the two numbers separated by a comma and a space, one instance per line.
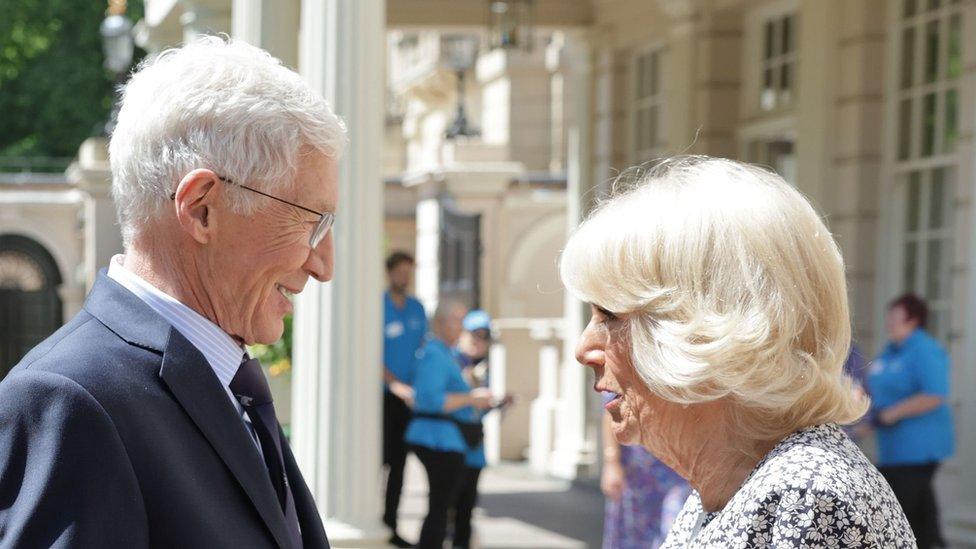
[222, 352]
[916, 334]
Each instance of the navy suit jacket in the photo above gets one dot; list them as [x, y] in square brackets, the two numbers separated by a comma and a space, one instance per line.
[115, 432]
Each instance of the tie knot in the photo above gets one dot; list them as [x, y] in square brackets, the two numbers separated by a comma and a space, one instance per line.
[249, 384]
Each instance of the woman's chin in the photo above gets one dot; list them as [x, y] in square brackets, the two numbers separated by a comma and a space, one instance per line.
[625, 434]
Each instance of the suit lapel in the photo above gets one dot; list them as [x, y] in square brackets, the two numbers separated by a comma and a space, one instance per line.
[313, 532]
[198, 390]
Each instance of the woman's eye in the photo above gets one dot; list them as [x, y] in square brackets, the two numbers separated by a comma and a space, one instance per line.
[607, 315]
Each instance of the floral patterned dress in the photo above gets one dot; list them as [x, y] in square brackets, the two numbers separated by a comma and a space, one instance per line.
[652, 496]
[814, 489]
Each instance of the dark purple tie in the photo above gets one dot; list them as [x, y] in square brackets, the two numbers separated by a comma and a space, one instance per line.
[250, 387]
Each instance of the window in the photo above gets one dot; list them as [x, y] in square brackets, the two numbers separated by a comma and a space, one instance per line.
[926, 89]
[777, 153]
[779, 58]
[647, 107]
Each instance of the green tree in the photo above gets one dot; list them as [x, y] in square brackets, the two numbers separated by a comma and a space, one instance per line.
[54, 91]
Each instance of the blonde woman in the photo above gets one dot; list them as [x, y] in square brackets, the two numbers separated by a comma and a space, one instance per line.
[720, 327]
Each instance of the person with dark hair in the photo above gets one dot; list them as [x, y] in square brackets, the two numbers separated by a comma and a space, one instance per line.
[404, 327]
[909, 385]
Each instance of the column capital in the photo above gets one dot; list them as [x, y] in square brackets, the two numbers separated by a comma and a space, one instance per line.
[90, 171]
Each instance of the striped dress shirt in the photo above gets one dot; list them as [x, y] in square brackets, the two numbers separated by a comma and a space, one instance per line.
[221, 351]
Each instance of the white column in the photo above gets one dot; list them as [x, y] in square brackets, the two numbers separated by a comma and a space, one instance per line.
[427, 272]
[572, 450]
[268, 24]
[544, 414]
[91, 173]
[499, 387]
[336, 384]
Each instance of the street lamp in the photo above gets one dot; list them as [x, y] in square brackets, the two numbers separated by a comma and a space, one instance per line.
[510, 24]
[462, 52]
[117, 44]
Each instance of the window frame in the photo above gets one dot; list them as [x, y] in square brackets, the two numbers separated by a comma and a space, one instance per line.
[906, 160]
[635, 103]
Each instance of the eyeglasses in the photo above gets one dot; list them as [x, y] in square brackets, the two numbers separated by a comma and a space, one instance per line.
[322, 226]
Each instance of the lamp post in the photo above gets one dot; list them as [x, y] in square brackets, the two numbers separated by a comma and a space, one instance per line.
[117, 44]
[462, 51]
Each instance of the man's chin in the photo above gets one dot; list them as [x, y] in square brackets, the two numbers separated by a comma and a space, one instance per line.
[270, 335]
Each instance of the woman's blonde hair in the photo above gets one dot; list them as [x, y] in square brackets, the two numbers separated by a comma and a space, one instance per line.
[734, 288]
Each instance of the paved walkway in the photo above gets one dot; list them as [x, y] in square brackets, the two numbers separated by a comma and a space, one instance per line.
[516, 510]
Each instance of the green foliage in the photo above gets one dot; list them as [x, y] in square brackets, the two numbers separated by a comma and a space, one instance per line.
[54, 90]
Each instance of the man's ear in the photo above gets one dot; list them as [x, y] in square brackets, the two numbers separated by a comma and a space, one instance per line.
[194, 200]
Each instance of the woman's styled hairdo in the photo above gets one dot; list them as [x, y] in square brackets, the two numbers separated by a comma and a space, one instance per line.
[733, 286]
[219, 104]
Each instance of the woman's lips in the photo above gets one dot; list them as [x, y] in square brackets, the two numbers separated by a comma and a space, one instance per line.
[614, 401]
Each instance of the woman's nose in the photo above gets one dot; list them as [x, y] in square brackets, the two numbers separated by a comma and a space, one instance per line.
[589, 350]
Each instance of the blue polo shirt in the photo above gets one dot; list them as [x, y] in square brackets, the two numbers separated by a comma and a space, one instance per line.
[919, 365]
[474, 458]
[438, 374]
[403, 334]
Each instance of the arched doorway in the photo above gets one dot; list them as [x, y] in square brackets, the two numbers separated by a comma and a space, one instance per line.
[30, 308]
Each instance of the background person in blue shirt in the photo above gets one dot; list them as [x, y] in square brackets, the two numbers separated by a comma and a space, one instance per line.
[909, 386]
[404, 327]
[440, 389]
[472, 354]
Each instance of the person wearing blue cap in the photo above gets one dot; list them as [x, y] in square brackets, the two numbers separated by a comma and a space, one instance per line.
[445, 425]
[404, 328]
[472, 353]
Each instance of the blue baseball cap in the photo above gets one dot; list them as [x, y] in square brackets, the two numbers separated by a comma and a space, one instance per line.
[477, 320]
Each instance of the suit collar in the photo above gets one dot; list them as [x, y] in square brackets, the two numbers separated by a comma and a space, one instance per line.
[127, 315]
[196, 388]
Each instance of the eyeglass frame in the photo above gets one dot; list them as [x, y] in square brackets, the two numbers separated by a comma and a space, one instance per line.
[322, 226]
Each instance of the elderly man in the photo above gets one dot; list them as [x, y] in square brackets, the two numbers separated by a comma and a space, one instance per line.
[143, 422]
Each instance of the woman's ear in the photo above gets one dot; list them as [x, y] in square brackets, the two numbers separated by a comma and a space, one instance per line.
[194, 199]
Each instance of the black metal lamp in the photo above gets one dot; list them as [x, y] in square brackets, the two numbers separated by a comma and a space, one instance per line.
[462, 52]
[117, 44]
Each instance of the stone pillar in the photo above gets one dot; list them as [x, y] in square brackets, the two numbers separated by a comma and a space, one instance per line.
[269, 25]
[336, 380]
[427, 272]
[558, 93]
[90, 172]
[816, 96]
[679, 66]
[498, 384]
[958, 484]
[572, 451]
[545, 408]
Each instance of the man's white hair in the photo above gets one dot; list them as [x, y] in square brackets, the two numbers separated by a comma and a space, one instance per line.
[733, 288]
[218, 104]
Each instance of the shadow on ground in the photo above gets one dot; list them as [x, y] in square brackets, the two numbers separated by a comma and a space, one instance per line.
[575, 513]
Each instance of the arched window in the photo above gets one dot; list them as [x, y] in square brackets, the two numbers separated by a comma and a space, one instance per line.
[30, 308]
